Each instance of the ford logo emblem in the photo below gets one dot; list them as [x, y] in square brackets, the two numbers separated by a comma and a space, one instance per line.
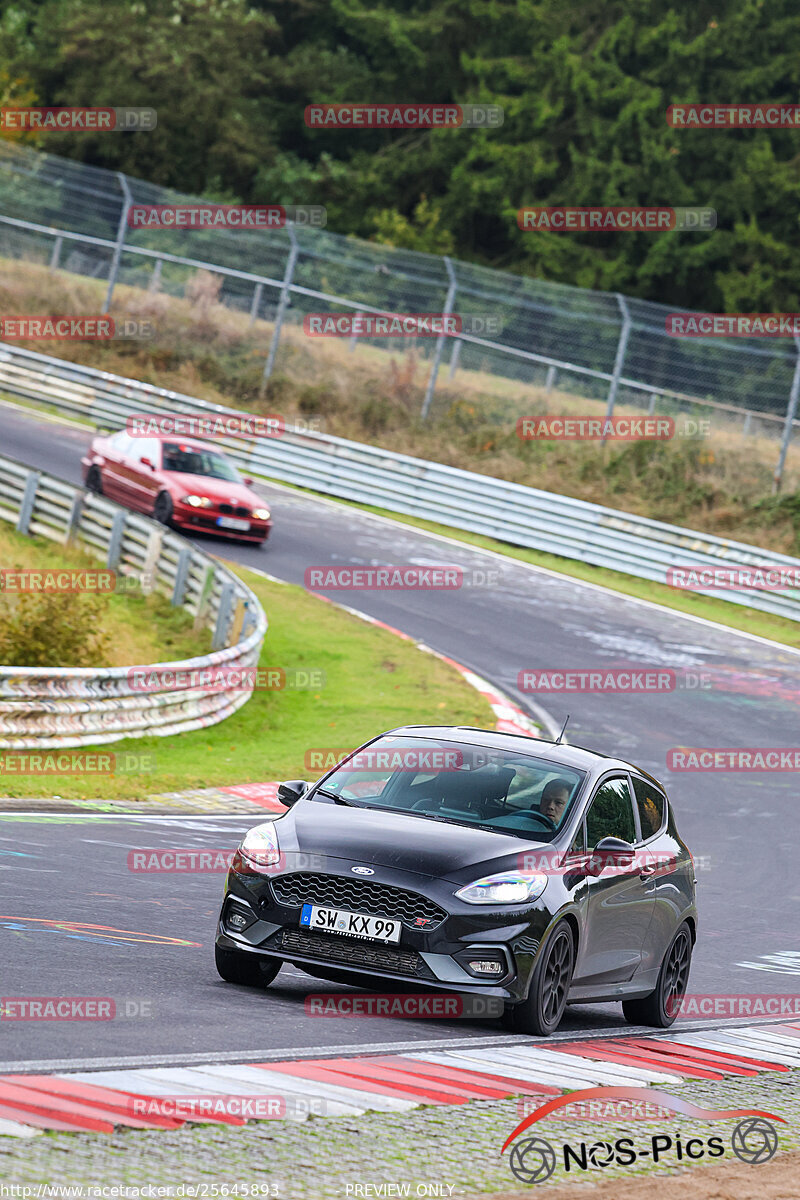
[362, 870]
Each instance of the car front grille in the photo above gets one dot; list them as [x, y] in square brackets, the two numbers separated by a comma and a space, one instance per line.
[352, 953]
[236, 510]
[378, 899]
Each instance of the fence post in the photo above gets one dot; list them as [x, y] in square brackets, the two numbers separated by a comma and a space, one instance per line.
[121, 228]
[622, 346]
[352, 341]
[437, 354]
[791, 412]
[154, 283]
[454, 357]
[288, 276]
[256, 305]
[552, 372]
[56, 253]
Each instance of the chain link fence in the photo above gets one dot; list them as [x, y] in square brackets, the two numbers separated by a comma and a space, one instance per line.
[597, 345]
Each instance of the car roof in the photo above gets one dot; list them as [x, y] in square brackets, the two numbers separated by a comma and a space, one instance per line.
[193, 443]
[562, 753]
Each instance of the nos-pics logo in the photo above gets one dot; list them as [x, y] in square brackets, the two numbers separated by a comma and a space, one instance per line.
[754, 1139]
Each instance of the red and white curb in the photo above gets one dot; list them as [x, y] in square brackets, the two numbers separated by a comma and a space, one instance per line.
[232, 1094]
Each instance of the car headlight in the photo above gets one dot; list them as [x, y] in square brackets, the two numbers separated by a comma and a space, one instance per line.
[196, 501]
[259, 851]
[261, 514]
[508, 887]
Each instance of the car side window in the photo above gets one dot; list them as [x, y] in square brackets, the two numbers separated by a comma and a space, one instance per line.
[650, 803]
[610, 813]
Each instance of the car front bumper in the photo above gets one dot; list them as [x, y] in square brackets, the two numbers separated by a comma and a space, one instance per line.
[432, 958]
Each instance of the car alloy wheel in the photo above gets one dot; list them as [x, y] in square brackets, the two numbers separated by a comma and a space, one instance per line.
[661, 1007]
[542, 1011]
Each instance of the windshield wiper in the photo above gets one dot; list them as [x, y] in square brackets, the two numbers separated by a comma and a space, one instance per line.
[337, 798]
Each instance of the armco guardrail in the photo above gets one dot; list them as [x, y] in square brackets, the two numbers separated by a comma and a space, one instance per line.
[61, 707]
[510, 512]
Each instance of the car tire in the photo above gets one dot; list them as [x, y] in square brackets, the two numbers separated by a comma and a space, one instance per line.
[162, 509]
[660, 1008]
[94, 481]
[541, 1012]
[237, 966]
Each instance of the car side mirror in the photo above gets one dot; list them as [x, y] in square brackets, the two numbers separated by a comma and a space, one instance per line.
[146, 462]
[248, 481]
[609, 851]
[291, 791]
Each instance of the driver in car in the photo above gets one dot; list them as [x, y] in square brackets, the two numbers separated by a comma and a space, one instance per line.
[555, 795]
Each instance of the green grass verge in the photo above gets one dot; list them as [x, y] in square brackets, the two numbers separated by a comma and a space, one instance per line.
[373, 681]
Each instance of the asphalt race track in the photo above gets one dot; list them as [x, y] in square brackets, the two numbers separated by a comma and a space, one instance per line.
[73, 869]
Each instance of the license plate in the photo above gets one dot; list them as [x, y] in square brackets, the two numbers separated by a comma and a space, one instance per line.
[358, 925]
[233, 523]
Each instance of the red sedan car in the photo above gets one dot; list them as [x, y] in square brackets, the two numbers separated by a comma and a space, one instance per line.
[180, 482]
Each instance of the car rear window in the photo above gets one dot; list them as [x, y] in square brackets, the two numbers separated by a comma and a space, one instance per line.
[650, 803]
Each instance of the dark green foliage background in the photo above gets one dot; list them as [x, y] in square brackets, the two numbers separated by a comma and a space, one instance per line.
[585, 88]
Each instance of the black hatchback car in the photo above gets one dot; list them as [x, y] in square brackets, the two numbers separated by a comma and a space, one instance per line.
[475, 862]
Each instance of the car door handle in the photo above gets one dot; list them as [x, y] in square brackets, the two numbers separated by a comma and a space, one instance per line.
[646, 872]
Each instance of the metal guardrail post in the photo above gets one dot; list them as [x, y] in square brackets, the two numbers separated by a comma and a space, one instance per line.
[115, 539]
[28, 501]
[791, 412]
[622, 346]
[282, 303]
[154, 283]
[437, 354]
[121, 229]
[181, 575]
[73, 520]
[223, 617]
[552, 373]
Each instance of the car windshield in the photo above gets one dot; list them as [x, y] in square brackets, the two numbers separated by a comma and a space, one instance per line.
[503, 790]
[191, 460]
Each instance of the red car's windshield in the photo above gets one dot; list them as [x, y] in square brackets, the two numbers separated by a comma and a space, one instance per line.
[190, 460]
